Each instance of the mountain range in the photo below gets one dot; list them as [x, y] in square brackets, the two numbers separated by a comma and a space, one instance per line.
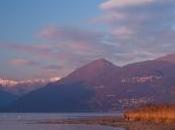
[23, 87]
[103, 86]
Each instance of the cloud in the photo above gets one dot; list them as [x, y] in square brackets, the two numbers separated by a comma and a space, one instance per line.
[111, 4]
[50, 32]
[138, 25]
[75, 43]
[71, 42]
[53, 67]
[59, 33]
[22, 62]
[68, 46]
[42, 50]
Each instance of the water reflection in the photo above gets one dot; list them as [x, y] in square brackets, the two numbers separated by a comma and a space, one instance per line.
[23, 122]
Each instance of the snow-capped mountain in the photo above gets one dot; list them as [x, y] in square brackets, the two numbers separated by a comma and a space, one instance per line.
[24, 86]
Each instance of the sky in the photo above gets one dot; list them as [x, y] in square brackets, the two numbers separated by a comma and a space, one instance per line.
[48, 38]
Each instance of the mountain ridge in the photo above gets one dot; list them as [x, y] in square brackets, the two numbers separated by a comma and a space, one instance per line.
[24, 86]
[107, 88]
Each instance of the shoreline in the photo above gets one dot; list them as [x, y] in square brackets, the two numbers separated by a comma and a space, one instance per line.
[114, 122]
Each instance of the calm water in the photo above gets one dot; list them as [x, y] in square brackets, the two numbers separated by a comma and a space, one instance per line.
[24, 121]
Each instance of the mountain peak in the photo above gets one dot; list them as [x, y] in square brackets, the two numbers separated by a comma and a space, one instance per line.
[93, 69]
[98, 65]
[101, 62]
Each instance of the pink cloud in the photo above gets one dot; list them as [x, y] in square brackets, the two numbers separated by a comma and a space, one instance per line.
[67, 33]
[21, 62]
[108, 17]
[49, 32]
[111, 4]
[40, 49]
[71, 43]
[71, 47]
[122, 32]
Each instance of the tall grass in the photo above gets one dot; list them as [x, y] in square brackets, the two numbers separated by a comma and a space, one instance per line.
[161, 113]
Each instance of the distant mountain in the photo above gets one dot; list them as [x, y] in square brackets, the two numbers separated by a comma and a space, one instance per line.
[63, 98]
[102, 86]
[22, 87]
[6, 98]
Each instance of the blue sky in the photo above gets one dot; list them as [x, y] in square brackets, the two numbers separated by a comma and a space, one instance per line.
[48, 38]
[21, 19]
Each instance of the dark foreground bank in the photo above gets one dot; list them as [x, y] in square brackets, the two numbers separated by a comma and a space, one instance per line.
[116, 122]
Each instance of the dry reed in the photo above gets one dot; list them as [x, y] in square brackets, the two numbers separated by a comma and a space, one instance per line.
[161, 113]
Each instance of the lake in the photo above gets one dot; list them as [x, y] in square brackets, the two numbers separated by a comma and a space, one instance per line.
[21, 121]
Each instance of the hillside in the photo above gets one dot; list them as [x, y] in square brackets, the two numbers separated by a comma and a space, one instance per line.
[6, 98]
